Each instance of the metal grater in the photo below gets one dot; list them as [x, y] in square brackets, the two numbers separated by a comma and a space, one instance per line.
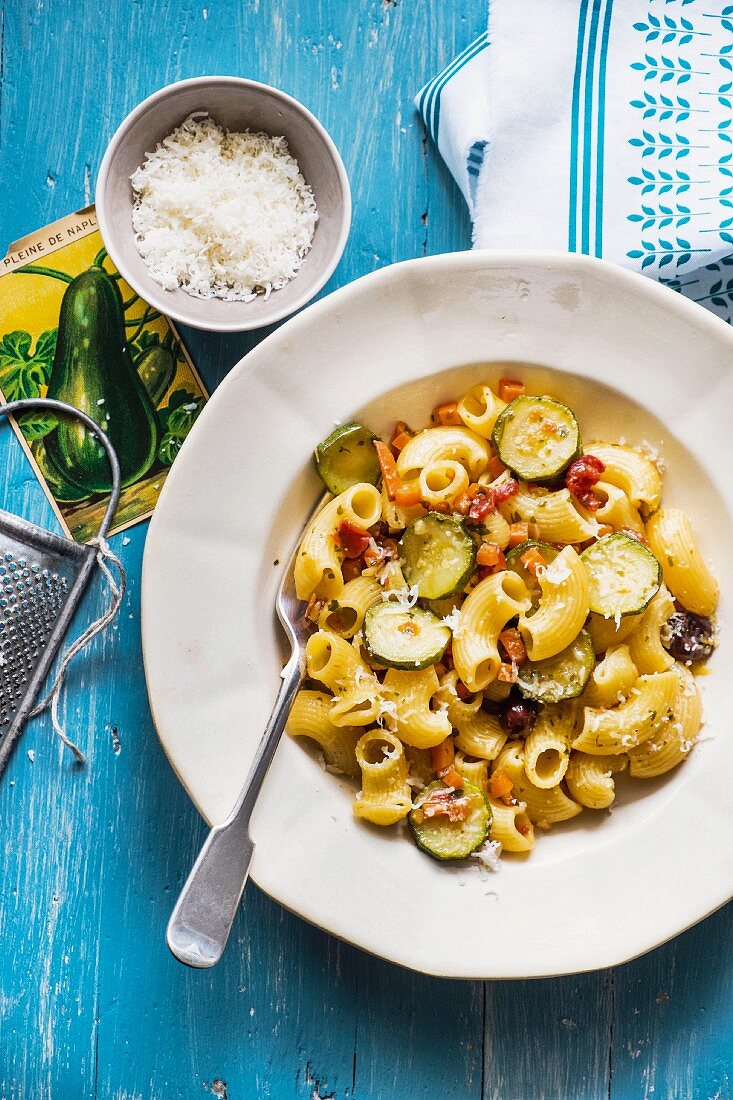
[42, 579]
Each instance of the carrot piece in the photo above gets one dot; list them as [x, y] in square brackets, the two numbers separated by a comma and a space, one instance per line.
[406, 496]
[604, 529]
[388, 466]
[495, 468]
[443, 755]
[533, 561]
[452, 778]
[401, 440]
[509, 388]
[518, 533]
[507, 674]
[514, 645]
[500, 785]
[488, 554]
[447, 413]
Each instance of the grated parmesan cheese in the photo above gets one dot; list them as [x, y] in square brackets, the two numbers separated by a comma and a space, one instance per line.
[488, 856]
[220, 214]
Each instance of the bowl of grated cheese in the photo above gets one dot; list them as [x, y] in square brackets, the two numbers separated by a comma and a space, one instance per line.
[223, 203]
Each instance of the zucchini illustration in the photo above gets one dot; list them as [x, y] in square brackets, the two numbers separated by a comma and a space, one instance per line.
[624, 575]
[404, 637]
[157, 368]
[346, 457]
[93, 371]
[438, 554]
[443, 838]
[537, 438]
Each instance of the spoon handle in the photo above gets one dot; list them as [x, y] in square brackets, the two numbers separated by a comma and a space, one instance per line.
[202, 919]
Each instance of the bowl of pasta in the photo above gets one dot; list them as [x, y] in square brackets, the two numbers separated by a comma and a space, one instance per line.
[513, 714]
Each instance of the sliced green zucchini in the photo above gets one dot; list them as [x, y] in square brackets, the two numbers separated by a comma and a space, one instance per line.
[624, 575]
[404, 637]
[444, 839]
[561, 677]
[515, 563]
[537, 438]
[347, 457]
[438, 555]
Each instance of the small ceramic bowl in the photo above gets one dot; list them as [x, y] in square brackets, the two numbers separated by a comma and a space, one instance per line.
[238, 105]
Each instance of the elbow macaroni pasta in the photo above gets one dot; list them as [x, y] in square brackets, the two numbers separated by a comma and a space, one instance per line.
[627, 706]
[686, 573]
[486, 611]
[563, 607]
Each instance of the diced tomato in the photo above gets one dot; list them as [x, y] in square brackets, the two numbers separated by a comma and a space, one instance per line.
[533, 561]
[388, 466]
[513, 645]
[487, 499]
[444, 803]
[462, 502]
[507, 674]
[383, 550]
[447, 413]
[518, 533]
[589, 500]
[351, 568]
[407, 496]
[583, 473]
[500, 785]
[442, 506]
[495, 468]
[523, 827]
[509, 388]
[353, 539]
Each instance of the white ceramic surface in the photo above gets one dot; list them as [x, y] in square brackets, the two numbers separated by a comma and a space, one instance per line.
[634, 360]
[237, 104]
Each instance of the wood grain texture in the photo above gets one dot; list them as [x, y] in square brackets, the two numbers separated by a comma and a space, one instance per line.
[91, 1004]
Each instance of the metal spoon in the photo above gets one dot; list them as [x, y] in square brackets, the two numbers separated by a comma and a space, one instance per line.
[204, 913]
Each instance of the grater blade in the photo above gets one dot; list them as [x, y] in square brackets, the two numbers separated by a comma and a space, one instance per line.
[42, 579]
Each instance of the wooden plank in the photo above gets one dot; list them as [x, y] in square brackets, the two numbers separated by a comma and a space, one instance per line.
[549, 1039]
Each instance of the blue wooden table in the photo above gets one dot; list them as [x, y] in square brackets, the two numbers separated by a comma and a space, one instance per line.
[91, 1004]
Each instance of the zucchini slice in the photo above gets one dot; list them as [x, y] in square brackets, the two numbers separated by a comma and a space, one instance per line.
[346, 457]
[537, 438]
[438, 555]
[561, 677]
[624, 575]
[515, 563]
[444, 839]
[404, 637]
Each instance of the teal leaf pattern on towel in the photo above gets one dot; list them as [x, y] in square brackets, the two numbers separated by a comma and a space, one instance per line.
[683, 182]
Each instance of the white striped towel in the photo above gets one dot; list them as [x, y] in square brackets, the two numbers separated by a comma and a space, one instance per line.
[598, 126]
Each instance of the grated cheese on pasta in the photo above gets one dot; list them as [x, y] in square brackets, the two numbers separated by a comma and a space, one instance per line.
[220, 214]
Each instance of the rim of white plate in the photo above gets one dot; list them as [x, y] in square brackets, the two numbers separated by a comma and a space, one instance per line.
[157, 551]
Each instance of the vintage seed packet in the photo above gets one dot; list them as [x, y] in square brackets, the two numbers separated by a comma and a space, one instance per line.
[72, 329]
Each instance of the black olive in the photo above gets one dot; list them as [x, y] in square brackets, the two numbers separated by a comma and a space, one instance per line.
[688, 637]
[518, 716]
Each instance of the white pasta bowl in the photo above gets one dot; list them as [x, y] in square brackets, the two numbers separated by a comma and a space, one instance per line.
[634, 360]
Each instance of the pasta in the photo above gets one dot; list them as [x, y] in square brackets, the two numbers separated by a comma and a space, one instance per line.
[502, 622]
[686, 573]
[385, 795]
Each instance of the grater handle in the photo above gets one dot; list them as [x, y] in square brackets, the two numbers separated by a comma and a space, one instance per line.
[202, 919]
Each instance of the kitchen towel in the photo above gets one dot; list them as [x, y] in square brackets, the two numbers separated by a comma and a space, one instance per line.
[598, 126]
